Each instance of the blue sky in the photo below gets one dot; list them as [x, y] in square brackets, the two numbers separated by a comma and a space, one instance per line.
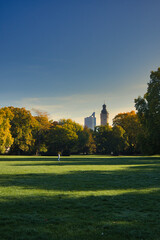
[68, 57]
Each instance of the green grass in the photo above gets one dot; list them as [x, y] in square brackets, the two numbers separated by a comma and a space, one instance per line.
[80, 198]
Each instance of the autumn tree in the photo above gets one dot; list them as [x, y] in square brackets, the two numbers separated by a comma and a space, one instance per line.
[148, 110]
[6, 139]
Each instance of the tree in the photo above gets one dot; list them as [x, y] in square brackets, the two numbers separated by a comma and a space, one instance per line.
[40, 132]
[76, 128]
[22, 125]
[6, 139]
[119, 141]
[86, 142]
[110, 140]
[130, 123]
[61, 139]
[103, 137]
[148, 110]
[72, 125]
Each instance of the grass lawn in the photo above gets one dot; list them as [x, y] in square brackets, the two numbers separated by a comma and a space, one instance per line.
[80, 198]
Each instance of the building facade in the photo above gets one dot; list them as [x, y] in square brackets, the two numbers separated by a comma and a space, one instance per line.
[90, 122]
[104, 116]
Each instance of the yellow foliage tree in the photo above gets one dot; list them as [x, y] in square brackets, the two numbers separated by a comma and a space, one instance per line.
[6, 139]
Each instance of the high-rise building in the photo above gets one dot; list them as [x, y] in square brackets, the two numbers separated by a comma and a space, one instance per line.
[90, 122]
[104, 116]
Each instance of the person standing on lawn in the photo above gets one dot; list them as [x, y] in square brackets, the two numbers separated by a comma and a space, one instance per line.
[59, 156]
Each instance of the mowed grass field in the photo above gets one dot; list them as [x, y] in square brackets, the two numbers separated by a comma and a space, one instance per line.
[81, 198]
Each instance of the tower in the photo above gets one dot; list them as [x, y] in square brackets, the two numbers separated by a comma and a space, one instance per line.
[104, 116]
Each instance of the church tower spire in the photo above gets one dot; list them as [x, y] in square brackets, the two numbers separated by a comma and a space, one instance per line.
[104, 116]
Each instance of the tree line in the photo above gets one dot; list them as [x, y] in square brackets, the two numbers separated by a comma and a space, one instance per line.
[131, 133]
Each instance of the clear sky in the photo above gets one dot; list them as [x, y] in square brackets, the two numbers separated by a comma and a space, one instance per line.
[68, 57]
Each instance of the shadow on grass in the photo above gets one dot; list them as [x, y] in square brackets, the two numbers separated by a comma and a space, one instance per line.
[83, 160]
[131, 178]
[127, 216]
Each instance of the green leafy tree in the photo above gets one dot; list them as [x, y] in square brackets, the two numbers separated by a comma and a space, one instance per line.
[22, 125]
[6, 139]
[76, 128]
[103, 139]
[61, 139]
[119, 141]
[130, 123]
[110, 140]
[72, 125]
[148, 110]
[41, 132]
[86, 142]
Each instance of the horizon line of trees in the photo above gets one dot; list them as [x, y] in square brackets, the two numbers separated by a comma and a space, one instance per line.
[131, 133]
